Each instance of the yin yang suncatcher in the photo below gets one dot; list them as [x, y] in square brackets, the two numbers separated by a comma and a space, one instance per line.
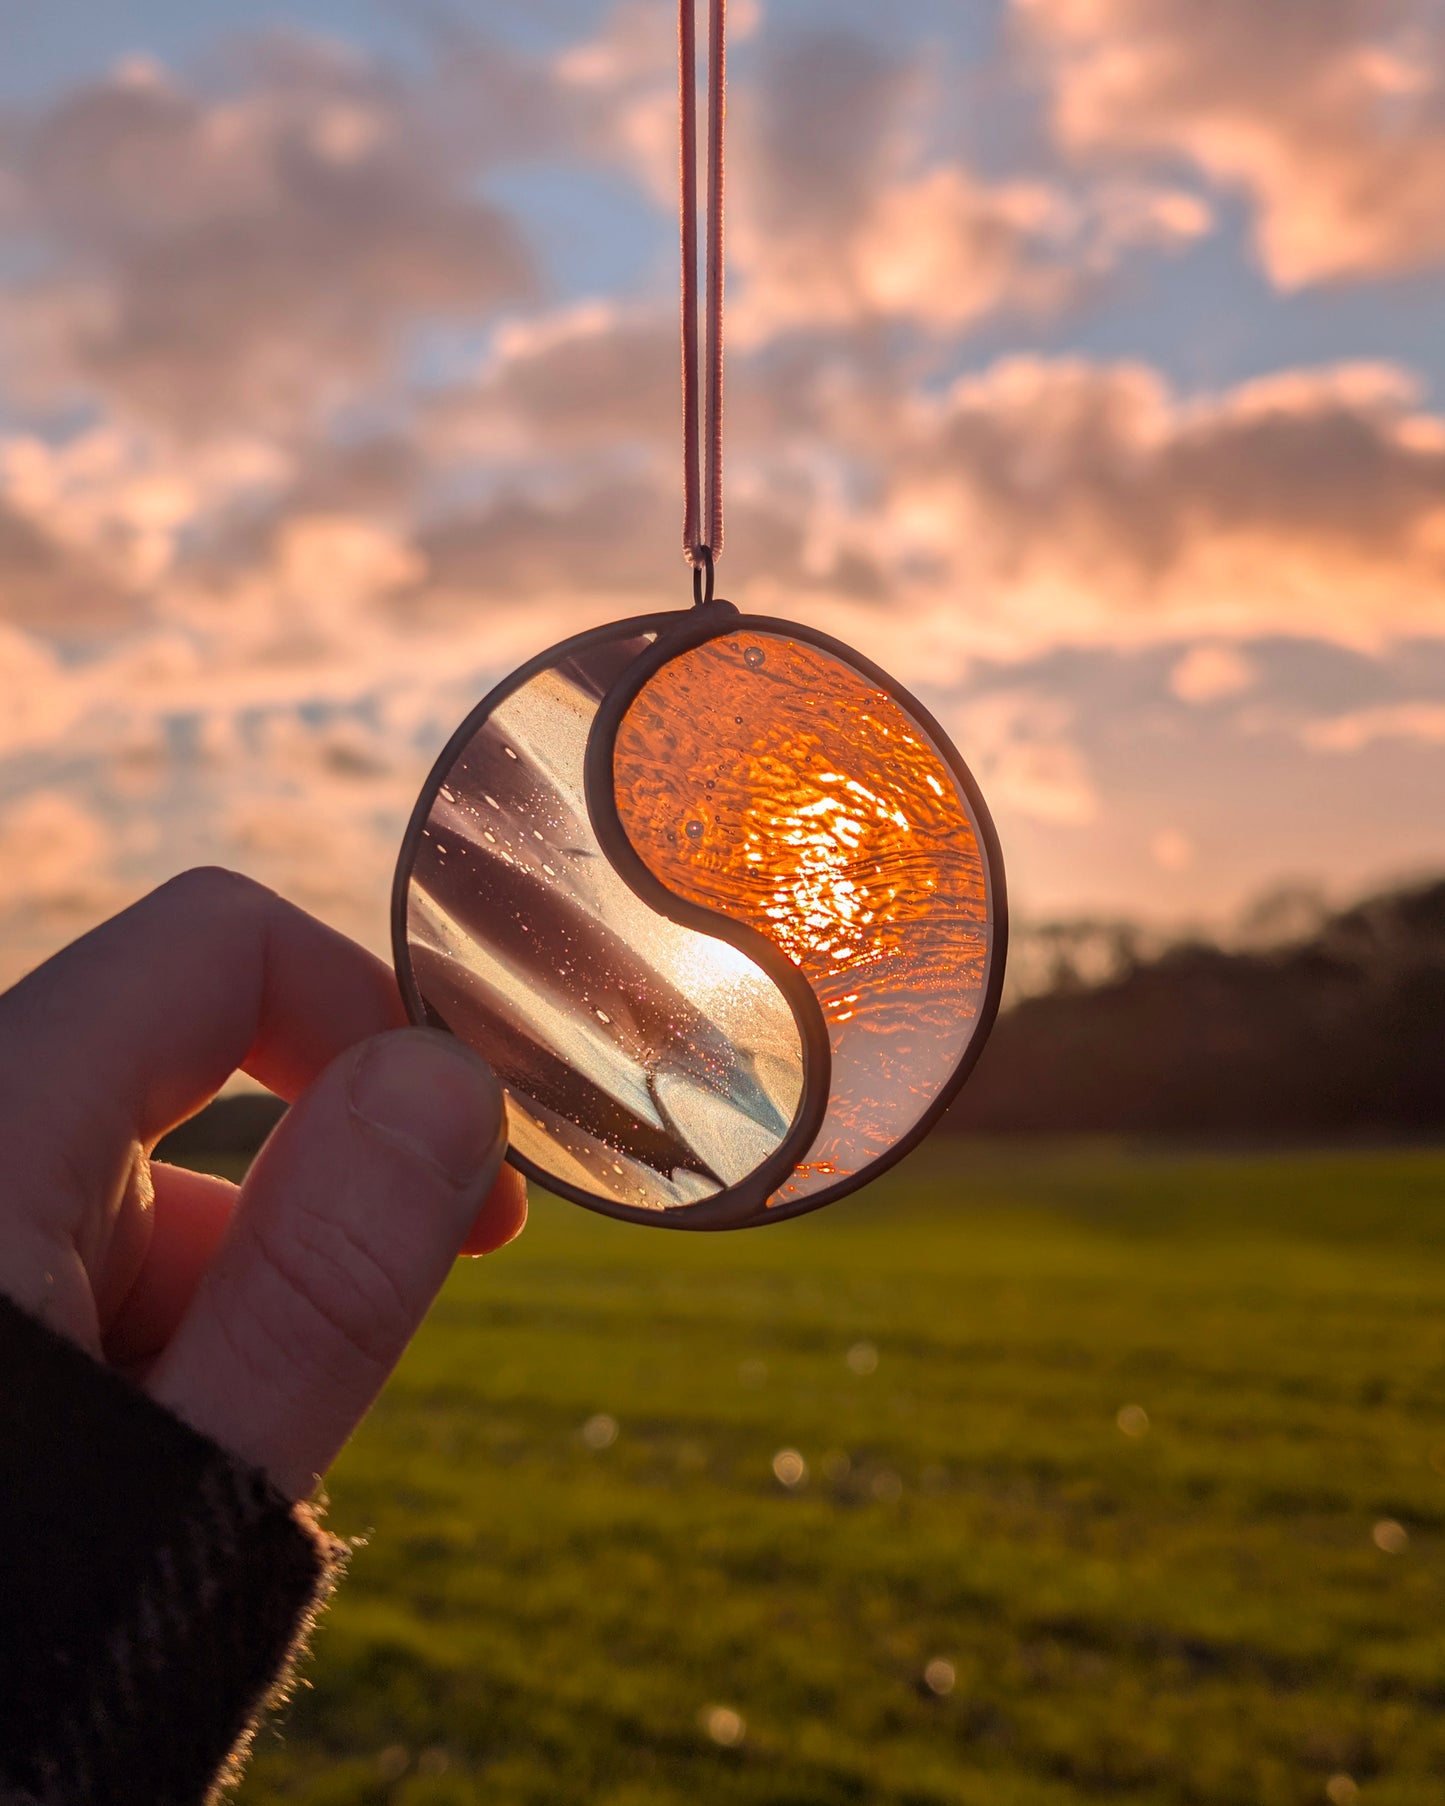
[719, 904]
[717, 900]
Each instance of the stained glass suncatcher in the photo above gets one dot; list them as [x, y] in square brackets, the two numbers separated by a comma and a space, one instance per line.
[721, 906]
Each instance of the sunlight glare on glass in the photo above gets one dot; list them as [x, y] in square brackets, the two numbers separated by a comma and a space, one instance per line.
[712, 966]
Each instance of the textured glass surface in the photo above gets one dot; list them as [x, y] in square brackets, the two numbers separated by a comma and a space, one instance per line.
[764, 778]
[641, 1061]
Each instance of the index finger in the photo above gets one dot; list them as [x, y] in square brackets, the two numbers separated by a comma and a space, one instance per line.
[129, 1030]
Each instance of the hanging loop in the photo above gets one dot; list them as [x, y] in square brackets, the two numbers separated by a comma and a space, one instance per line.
[702, 399]
[701, 559]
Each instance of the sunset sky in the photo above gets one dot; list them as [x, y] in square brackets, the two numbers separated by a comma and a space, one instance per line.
[1087, 371]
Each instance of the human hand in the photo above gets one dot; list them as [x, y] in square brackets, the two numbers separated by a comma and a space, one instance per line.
[267, 1315]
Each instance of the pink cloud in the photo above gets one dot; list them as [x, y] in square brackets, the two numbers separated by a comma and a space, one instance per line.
[842, 219]
[1208, 673]
[1329, 116]
[1420, 722]
[1082, 501]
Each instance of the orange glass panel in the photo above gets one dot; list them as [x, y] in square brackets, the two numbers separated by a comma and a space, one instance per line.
[764, 778]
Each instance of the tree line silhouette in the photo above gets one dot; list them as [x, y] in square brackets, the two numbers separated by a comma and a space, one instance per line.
[1338, 1032]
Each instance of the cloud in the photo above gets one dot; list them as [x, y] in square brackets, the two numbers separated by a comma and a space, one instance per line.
[54, 853]
[1329, 116]
[1082, 502]
[251, 585]
[1420, 723]
[1023, 746]
[1209, 673]
[90, 523]
[1172, 851]
[42, 580]
[248, 254]
[1037, 501]
[619, 90]
[843, 218]
[588, 377]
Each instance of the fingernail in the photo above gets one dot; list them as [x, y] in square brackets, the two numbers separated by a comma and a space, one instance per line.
[425, 1091]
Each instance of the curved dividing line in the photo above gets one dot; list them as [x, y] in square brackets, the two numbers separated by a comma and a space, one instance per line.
[736, 1200]
[677, 631]
[744, 1204]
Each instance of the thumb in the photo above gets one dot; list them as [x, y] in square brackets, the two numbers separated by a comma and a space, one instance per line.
[345, 1229]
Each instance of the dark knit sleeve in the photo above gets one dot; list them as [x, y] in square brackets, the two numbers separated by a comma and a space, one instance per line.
[153, 1590]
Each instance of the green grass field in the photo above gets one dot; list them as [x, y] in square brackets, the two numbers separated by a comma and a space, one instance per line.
[1234, 1599]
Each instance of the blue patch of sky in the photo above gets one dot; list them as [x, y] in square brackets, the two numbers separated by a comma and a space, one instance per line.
[969, 27]
[593, 231]
[62, 42]
[1209, 318]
